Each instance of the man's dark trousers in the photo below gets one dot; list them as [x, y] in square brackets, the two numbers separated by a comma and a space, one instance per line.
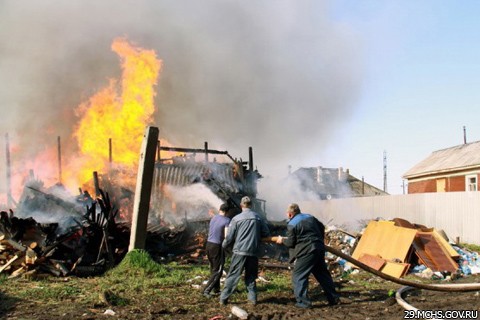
[314, 263]
[216, 258]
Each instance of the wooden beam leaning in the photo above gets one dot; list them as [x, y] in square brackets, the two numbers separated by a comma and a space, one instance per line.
[143, 189]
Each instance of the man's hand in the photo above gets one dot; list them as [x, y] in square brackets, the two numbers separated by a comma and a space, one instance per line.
[279, 240]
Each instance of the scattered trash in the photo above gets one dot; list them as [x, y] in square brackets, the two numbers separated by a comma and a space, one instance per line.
[194, 278]
[109, 312]
[239, 312]
[469, 261]
[398, 246]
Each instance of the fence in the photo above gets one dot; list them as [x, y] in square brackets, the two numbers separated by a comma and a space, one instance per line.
[457, 213]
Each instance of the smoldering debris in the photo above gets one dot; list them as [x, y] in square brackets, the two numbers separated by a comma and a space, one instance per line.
[88, 246]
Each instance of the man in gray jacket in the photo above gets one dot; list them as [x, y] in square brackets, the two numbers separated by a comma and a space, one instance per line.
[244, 233]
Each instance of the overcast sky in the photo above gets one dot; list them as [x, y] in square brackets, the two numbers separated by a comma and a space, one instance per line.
[305, 83]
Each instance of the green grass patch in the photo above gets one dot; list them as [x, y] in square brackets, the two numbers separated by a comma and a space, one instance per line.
[138, 275]
[3, 278]
[471, 247]
[51, 291]
[138, 264]
[277, 282]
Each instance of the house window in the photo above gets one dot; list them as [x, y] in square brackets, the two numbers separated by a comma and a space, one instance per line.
[471, 183]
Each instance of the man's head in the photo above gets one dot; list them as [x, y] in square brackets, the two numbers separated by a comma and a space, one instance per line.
[223, 209]
[293, 210]
[246, 202]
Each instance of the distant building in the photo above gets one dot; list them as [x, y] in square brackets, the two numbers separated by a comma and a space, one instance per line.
[447, 170]
[331, 183]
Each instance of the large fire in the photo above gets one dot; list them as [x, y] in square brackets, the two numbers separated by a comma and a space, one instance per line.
[120, 114]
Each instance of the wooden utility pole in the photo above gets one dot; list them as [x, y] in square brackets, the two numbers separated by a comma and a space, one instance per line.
[9, 172]
[250, 159]
[110, 151]
[385, 171]
[206, 151]
[59, 149]
[143, 190]
[96, 183]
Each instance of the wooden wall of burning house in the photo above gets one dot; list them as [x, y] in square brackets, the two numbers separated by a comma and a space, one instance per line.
[229, 181]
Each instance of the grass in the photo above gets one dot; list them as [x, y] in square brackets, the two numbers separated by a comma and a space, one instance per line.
[139, 283]
[471, 247]
[52, 292]
[137, 279]
[139, 276]
[277, 283]
[3, 278]
[139, 286]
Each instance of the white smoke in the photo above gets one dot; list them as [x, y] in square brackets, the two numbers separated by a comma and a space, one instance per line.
[282, 191]
[191, 202]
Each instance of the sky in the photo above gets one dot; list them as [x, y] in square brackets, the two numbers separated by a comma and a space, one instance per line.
[419, 86]
[306, 83]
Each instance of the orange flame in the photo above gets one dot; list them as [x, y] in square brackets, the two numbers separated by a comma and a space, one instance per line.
[120, 116]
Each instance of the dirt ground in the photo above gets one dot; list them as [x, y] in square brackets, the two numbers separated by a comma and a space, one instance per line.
[184, 302]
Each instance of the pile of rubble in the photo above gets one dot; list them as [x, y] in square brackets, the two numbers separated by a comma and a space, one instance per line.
[343, 241]
[399, 247]
[84, 248]
[89, 243]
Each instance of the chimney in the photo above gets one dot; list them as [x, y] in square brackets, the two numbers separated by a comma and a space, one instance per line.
[464, 135]
[319, 174]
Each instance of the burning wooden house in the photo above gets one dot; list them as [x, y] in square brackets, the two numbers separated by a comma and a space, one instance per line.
[228, 180]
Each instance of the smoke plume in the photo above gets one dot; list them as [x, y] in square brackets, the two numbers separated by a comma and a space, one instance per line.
[279, 76]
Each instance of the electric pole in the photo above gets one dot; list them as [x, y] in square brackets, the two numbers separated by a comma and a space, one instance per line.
[385, 171]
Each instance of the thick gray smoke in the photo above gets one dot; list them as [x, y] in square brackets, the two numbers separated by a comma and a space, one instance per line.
[279, 76]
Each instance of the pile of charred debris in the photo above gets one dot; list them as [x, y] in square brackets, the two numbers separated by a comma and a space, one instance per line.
[88, 236]
[85, 245]
[51, 231]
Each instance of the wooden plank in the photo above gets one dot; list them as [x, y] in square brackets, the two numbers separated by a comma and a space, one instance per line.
[385, 239]
[448, 248]
[17, 272]
[5, 266]
[399, 222]
[30, 256]
[432, 253]
[373, 262]
[395, 269]
[16, 245]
